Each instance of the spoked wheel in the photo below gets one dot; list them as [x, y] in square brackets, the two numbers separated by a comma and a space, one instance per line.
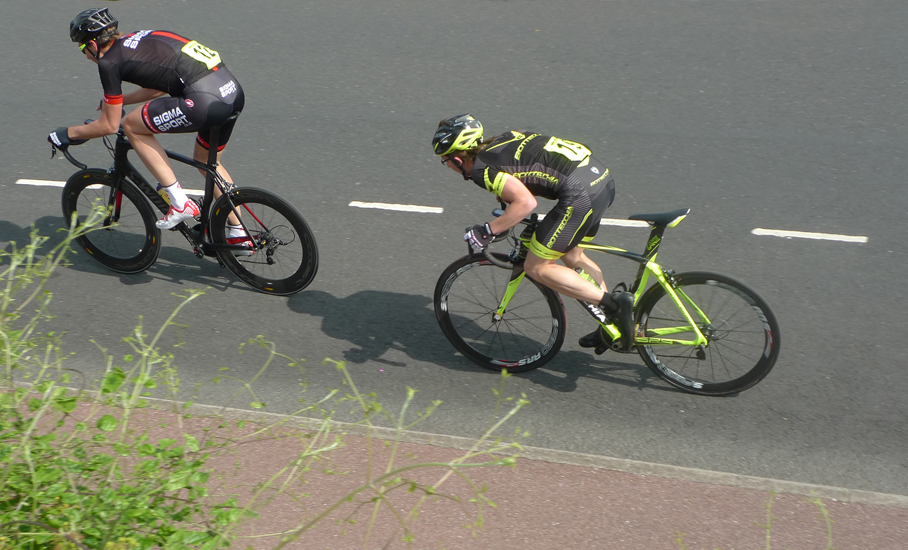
[742, 331]
[127, 240]
[525, 337]
[282, 258]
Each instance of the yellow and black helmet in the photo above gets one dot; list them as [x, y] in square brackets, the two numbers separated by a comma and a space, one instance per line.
[457, 133]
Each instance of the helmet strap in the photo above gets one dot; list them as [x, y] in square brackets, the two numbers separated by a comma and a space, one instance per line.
[459, 163]
[96, 53]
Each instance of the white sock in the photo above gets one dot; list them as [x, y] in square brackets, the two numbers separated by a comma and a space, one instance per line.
[178, 197]
[234, 231]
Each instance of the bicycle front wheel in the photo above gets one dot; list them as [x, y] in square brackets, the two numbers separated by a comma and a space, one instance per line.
[526, 336]
[741, 329]
[127, 240]
[283, 258]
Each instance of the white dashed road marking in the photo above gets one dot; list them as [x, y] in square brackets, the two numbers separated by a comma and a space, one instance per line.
[605, 221]
[49, 183]
[41, 183]
[616, 222]
[398, 207]
[807, 235]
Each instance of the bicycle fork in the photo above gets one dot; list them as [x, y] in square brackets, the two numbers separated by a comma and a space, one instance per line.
[517, 276]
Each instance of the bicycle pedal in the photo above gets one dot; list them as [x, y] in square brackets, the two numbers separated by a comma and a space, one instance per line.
[601, 349]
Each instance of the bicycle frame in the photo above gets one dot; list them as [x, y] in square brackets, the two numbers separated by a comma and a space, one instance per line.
[648, 268]
[123, 170]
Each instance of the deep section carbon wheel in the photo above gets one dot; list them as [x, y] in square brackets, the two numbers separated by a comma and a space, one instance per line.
[283, 256]
[127, 240]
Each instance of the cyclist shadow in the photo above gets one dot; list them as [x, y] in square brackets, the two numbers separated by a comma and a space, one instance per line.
[566, 369]
[49, 226]
[175, 264]
[377, 322]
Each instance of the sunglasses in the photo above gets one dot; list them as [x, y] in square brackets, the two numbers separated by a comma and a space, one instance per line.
[457, 162]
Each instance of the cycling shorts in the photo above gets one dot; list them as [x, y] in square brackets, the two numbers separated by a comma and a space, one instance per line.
[576, 216]
[207, 102]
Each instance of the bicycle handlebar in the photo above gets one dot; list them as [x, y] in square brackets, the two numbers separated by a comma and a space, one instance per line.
[68, 155]
[495, 261]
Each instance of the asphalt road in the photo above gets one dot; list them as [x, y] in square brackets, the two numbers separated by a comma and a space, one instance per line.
[755, 114]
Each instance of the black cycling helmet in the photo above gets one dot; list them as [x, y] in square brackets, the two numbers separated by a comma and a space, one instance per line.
[91, 25]
[457, 133]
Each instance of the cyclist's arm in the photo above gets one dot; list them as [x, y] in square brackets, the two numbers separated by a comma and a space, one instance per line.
[141, 96]
[108, 123]
[520, 203]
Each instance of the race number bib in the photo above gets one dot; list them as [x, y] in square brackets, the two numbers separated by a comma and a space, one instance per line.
[202, 54]
[574, 151]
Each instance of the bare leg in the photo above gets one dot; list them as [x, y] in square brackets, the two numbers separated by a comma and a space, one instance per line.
[564, 280]
[576, 257]
[148, 148]
[201, 154]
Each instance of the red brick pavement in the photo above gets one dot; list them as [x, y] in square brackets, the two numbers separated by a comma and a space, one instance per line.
[542, 504]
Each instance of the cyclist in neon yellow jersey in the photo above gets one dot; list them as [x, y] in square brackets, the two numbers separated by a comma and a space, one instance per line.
[200, 91]
[519, 167]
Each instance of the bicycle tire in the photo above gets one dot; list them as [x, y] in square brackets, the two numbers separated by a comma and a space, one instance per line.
[286, 256]
[127, 241]
[531, 332]
[743, 335]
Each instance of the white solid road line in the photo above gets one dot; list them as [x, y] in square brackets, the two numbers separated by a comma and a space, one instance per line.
[807, 235]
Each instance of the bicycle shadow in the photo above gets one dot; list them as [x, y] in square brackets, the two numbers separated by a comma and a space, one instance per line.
[564, 372]
[376, 322]
[175, 265]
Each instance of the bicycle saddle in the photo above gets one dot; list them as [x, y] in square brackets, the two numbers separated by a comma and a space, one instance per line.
[665, 219]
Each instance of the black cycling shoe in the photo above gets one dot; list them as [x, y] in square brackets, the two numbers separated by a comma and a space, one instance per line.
[624, 318]
[592, 340]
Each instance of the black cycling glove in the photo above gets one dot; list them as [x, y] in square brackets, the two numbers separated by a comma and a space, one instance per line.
[479, 236]
[60, 137]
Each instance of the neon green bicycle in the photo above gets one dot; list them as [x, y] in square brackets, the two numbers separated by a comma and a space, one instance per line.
[702, 332]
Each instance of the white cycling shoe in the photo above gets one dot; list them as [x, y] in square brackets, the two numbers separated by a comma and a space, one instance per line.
[174, 216]
[245, 241]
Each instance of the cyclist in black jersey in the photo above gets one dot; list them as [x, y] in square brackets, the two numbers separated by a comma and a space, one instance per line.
[518, 167]
[200, 91]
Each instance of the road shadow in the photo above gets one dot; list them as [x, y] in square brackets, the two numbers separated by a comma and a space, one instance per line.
[174, 264]
[566, 369]
[375, 322]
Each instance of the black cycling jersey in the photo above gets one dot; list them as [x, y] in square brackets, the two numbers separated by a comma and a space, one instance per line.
[545, 164]
[552, 168]
[159, 60]
[203, 93]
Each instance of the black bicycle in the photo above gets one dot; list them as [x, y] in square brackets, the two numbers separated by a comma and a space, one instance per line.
[277, 255]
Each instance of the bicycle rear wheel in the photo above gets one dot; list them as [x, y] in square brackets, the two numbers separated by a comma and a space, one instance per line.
[742, 331]
[285, 256]
[127, 241]
[527, 336]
